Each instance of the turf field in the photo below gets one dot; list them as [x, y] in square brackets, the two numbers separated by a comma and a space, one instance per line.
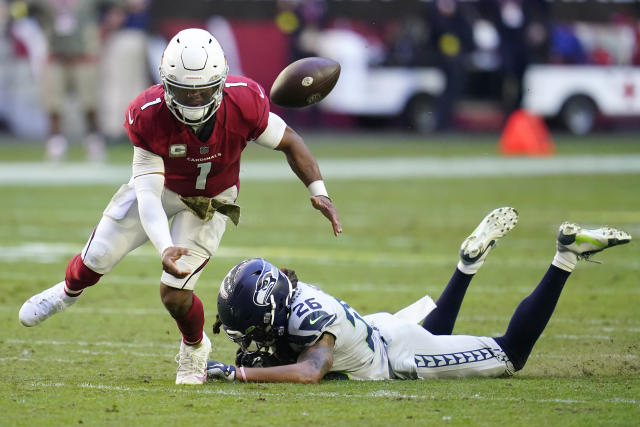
[109, 359]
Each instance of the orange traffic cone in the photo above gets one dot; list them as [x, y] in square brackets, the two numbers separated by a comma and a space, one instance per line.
[525, 134]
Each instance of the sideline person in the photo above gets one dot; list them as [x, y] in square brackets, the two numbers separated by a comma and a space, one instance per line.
[74, 31]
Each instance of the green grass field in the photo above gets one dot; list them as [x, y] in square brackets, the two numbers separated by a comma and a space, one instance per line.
[108, 360]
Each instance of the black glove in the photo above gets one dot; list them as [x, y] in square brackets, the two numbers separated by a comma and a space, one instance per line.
[220, 371]
[256, 359]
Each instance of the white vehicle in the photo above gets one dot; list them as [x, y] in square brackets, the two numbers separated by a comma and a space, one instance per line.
[409, 93]
[577, 95]
[378, 92]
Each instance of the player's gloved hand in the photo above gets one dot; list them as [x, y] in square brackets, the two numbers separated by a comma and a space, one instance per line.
[220, 371]
[324, 205]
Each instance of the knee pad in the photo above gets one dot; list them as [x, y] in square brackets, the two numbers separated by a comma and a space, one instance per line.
[98, 256]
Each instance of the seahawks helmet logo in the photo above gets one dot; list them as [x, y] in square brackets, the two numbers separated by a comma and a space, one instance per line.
[264, 288]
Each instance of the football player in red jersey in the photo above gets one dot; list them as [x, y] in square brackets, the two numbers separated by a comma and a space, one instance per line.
[188, 135]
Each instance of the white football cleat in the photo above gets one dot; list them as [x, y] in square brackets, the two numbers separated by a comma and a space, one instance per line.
[41, 306]
[496, 224]
[192, 362]
[584, 242]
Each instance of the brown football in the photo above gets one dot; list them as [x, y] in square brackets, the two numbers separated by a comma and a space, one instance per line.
[304, 82]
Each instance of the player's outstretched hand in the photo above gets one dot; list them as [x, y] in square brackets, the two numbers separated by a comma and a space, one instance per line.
[169, 258]
[324, 205]
[220, 371]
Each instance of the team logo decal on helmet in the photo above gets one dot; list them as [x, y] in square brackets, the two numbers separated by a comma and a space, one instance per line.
[264, 288]
[254, 303]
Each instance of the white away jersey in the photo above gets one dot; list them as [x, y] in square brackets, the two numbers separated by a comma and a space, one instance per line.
[359, 350]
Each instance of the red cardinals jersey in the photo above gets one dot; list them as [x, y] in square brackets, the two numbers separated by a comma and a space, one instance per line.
[193, 167]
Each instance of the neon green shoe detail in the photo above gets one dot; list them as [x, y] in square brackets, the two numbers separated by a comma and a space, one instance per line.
[584, 243]
[583, 238]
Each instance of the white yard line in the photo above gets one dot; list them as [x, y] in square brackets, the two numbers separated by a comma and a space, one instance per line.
[236, 391]
[68, 348]
[564, 356]
[68, 351]
[48, 253]
[168, 355]
[599, 325]
[118, 344]
[596, 325]
[35, 173]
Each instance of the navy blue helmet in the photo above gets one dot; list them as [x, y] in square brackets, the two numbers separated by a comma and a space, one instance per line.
[254, 303]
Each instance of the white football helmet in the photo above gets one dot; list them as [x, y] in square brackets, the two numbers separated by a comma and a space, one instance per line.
[193, 71]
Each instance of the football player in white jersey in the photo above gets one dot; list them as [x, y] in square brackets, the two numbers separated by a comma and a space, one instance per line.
[290, 331]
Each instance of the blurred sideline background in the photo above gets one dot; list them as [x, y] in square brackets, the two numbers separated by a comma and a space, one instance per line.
[420, 67]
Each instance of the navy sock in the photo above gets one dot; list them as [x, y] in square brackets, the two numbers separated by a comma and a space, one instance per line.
[442, 319]
[532, 316]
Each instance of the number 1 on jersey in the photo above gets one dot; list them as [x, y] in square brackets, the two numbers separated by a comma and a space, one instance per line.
[201, 181]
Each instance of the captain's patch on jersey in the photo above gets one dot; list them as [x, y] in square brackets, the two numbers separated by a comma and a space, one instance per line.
[178, 150]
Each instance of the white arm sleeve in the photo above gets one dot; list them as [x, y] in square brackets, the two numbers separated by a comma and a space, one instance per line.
[272, 135]
[145, 162]
[152, 215]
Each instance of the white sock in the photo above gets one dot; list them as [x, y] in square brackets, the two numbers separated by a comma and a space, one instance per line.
[565, 260]
[470, 268]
